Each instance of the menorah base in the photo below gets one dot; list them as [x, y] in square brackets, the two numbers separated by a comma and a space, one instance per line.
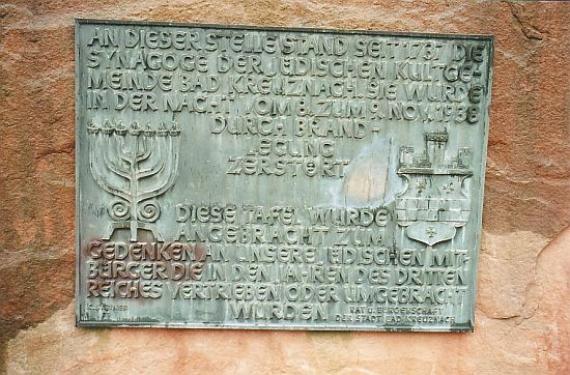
[133, 228]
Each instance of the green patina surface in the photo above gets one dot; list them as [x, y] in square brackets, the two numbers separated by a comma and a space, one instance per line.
[278, 178]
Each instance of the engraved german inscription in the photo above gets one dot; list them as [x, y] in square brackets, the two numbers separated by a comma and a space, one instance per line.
[235, 177]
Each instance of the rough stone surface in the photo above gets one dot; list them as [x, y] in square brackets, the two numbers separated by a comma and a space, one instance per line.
[523, 320]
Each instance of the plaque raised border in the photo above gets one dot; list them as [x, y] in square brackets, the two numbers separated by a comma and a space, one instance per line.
[418, 162]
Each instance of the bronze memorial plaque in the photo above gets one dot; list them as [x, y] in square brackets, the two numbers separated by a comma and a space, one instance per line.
[239, 177]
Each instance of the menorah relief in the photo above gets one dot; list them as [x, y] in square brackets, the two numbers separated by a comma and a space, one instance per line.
[136, 165]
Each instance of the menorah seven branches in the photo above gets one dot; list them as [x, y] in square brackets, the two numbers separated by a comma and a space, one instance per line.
[135, 165]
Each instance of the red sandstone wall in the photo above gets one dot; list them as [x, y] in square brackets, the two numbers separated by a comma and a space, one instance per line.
[523, 319]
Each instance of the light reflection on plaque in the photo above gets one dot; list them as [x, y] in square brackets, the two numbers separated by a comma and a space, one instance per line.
[278, 178]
